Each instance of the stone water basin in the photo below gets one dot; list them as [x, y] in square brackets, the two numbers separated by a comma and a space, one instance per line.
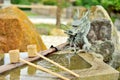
[86, 65]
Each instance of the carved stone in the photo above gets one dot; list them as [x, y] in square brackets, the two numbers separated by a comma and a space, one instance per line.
[102, 29]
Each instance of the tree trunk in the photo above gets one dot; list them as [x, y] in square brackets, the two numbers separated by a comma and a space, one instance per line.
[58, 13]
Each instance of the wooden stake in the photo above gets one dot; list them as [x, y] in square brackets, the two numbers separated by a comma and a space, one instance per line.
[44, 69]
[47, 59]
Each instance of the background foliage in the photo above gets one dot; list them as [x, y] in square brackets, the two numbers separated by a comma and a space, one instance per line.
[108, 4]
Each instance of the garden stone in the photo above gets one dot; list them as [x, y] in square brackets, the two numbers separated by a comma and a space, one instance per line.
[17, 31]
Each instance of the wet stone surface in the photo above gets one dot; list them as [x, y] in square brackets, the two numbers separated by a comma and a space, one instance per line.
[30, 73]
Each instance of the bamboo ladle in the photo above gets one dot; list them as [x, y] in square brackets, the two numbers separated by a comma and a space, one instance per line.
[62, 67]
[15, 58]
[32, 51]
[44, 69]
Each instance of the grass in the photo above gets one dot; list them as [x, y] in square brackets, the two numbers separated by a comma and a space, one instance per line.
[29, 13]
[42, 25]
[44, 29]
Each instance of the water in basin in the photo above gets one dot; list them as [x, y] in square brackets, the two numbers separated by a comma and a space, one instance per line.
[119, 73]
[30, 73]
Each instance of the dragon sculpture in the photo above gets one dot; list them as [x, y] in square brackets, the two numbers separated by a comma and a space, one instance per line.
[92, 37]
[78, 33]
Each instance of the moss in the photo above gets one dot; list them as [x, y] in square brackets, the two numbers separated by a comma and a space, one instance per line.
[17, 31]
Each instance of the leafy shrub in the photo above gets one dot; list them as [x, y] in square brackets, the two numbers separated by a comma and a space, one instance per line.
[108, 4]
[49, 2]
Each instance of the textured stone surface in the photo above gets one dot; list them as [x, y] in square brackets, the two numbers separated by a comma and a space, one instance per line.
[16, 31]
[100, 38]
[100, 30]
[100, 13]
[103, 29]
[98, 71]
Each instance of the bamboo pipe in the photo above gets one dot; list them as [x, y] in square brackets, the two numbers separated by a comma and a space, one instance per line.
[44, 69]
[47, 59]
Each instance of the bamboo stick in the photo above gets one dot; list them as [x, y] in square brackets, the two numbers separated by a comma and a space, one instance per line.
[44, 69]
[62, 67]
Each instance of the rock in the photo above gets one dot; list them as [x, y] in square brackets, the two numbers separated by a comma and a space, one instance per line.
[16, 31]
[103, 35]
[105, 48]
[115, 62]
[100, 38]
[100, 30]
[98, 12]
[117, 23]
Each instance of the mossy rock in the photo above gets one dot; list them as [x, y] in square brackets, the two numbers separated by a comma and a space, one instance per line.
[17, 31]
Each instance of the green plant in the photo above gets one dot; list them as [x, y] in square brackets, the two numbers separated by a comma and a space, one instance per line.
[30, 13]
[111, 4]
[108, 4]
[49, 2]
[44, 29]
[26, 2]
[87, 3]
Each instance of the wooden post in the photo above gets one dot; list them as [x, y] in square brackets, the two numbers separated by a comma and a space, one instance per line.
[32, 50]
[14, 56]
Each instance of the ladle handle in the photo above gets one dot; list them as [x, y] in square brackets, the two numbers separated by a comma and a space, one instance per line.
[62, 67]
[44, 69]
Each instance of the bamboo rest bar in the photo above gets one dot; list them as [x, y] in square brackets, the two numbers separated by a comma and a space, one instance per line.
[32, 52]
[31, 49]
[4, 68]
[44, 69]
[62, 67]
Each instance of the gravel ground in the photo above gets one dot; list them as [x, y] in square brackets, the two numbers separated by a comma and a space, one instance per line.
[53, 40]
